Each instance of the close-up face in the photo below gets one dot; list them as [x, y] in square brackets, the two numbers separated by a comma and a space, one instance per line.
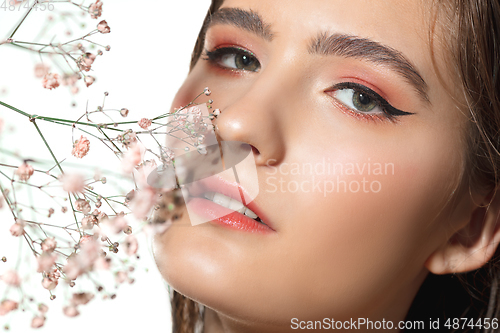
[359, 157]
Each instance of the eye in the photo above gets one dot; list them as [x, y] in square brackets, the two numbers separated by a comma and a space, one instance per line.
[363, 100]
[357, 100]
[233, 58]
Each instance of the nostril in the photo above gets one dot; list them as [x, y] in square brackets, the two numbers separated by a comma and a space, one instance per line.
[255, 151]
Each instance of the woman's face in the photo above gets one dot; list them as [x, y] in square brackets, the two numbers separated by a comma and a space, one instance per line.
[358, 149]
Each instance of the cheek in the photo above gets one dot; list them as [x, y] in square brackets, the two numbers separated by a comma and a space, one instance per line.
[376, 226]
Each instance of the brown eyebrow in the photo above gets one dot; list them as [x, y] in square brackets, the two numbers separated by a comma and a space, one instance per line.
[366, 49]
[247, 20]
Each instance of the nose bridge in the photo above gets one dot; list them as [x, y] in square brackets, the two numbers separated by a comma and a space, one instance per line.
[259, 112]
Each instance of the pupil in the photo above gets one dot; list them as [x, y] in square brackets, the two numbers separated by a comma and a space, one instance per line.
[245, 60]
[365, 100]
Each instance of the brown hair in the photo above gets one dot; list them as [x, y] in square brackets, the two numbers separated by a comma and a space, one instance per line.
[475, 49]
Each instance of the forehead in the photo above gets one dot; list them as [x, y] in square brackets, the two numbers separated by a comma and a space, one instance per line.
[391, 19]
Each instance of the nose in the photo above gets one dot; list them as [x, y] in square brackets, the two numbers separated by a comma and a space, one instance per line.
[254, 115]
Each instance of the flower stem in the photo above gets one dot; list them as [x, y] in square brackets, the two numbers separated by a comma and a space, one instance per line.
[47, 145]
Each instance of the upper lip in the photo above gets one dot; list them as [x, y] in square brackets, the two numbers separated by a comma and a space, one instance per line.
[229, 189]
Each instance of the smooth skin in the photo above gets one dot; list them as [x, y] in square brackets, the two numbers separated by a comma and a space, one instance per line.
[344, 254]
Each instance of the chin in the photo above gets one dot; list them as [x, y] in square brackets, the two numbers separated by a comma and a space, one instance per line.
[198, 265]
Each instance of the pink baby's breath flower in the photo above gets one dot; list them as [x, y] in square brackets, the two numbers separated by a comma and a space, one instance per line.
[50, 81]
[41, 70]
[143, 201]
[17, 229]
[89, 80]
[167, 155]
[81, 147]
[143, 171]
[192, 118]
[121, 277]
[133, 157]
[73, 183]
[25, 171]
[95, 9]
[114, 226]
[89, 253]
[72, 268]
[45, 262]
[43, 308]
[83, 206]
[11, 278]
[128, 138]
[49, 283]
[7, 306]
[124, 112]
[207, 91]
[37, 321]
[85, 61]
[85, 239]
[49, 244]
[102, 263]
[103, 27]
[131, 245]
[70, 79]
[81, 298]
[144, 123]
[71, 311]
[101, 216]
[88, 222]
[55, 274]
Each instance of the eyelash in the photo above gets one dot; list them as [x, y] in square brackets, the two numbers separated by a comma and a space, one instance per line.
[216, 55]
[389, 112]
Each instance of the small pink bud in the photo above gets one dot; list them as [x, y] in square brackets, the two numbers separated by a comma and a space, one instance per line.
[49, 244]
[89, 80]
[37, 321]
[11, 278]
[103, 27]
[24, 171]
[71, 311]
[17, 229]
[49, 283]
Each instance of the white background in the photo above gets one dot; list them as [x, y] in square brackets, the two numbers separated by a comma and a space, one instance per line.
[151, 43]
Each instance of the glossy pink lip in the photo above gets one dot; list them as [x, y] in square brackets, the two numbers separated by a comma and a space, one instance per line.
[225, 216]
[212, 211]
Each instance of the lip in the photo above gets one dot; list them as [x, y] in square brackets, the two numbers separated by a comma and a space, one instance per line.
[209, 209]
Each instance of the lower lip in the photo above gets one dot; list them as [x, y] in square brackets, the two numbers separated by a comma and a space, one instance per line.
[226, 217]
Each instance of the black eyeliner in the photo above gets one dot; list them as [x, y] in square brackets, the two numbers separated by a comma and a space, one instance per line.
[222, 51]
[388, 109]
